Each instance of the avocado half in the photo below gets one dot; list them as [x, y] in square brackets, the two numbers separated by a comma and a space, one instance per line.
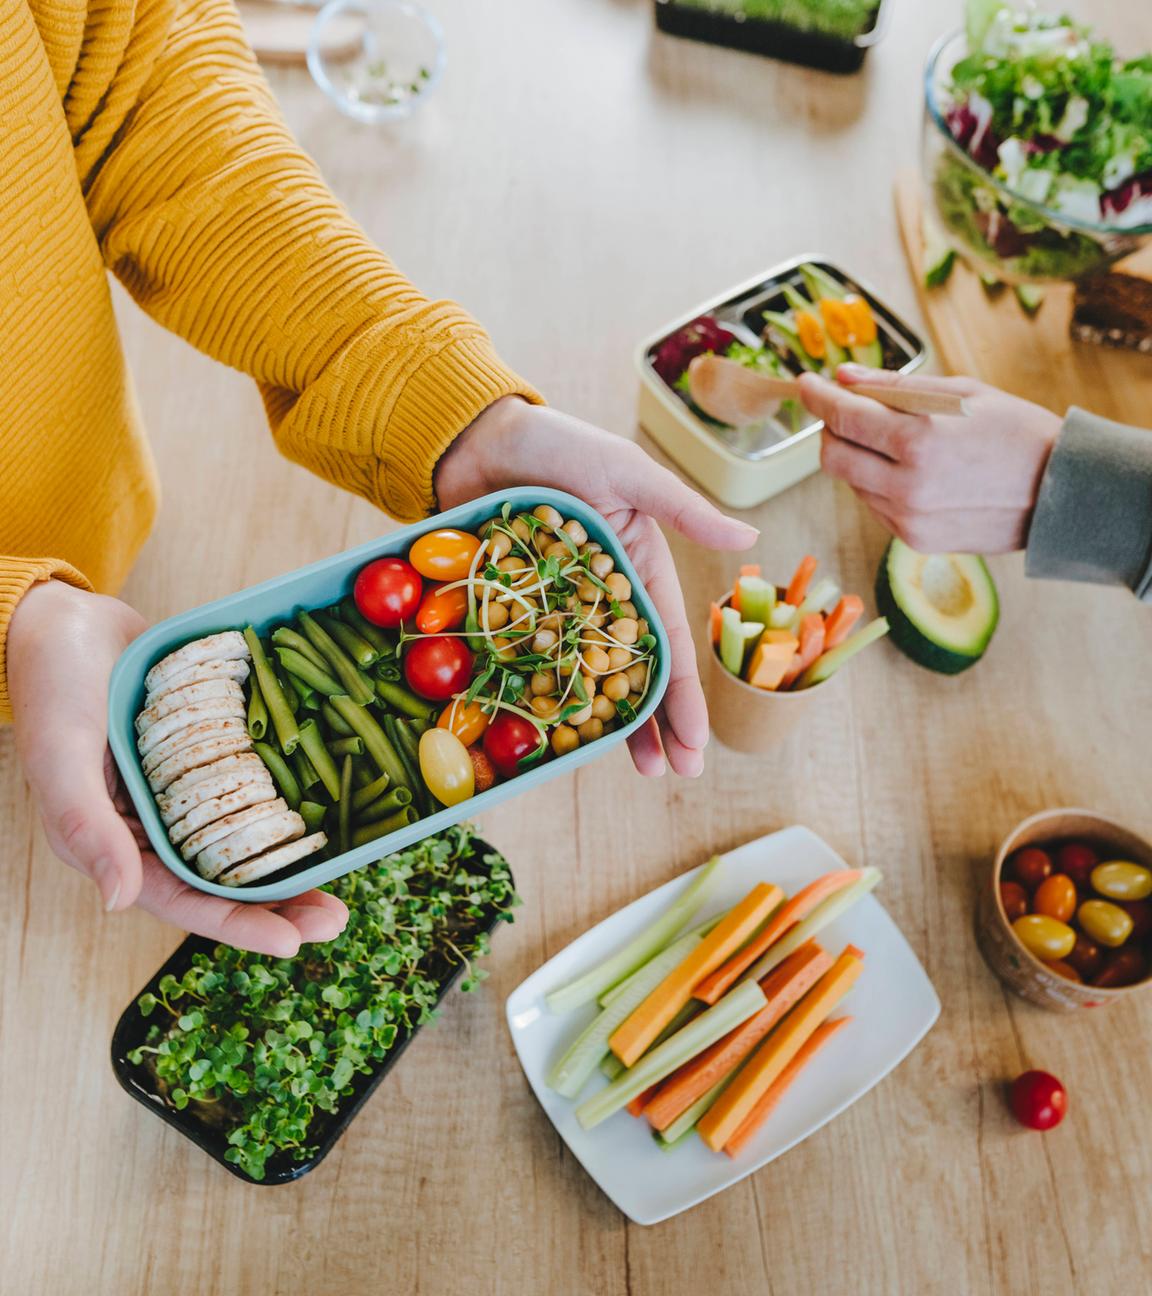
[942, 608]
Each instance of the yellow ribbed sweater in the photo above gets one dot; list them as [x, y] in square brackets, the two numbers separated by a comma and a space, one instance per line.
[138, 136]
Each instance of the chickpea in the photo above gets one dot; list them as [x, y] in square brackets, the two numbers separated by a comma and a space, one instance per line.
[511, 563]
[574, 531]
[625, 630]
[596, 660]
[550, 622]
[542, 682]
[521, 530]
[496, 616]
[619, 658]
[603, 708]
[590, 547]
[597, 621]
[484, 530]
[548, 515]
[505, 649]
[589, 685]
[628, 609]
[582, 716]
[642, 627]
[545, 707]
[590, 730]
[587, 592]
[602, 565]
[619, 585]
[544, 641]
[637, 677]
[615, 687]
[564, 739]
[566, 668]
[499, 545]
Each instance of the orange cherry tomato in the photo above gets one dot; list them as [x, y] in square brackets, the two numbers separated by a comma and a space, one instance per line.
[468, 723]
[444, 554]
[1056, 897]
[1063, 969]
[863, 321]
[442, 609]
[1014, 899]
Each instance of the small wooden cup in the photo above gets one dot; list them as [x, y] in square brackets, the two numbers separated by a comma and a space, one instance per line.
[1020, 970]
[754, 720]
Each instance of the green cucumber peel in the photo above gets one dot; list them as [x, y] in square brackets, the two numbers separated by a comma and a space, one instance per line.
[827, 665]
[823, 597]
[704, 928]
[735, 636]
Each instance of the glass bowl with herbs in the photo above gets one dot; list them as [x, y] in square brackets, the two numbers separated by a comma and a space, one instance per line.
[1037, 148]
[264, 1062]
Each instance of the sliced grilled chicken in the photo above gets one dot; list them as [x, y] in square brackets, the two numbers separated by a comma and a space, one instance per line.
[177, 699]
[175, 722]
[235, 669]
[201, 753]
[216, 808]
[229, 645]
[214, 832]
[273, 861]
[190, 735]
[241, 764]
[255, 839]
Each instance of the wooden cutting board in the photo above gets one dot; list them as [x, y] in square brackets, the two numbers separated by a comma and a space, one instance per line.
[993, 339]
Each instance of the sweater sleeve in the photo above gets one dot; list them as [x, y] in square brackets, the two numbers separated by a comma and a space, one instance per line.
[17, 576]
[1093, 518]
[222, 229]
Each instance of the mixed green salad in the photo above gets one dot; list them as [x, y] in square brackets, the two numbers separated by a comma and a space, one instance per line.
[844, 19]
[266, 1050]
[1060, 122]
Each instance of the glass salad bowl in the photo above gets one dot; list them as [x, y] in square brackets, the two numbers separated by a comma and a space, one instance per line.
[376, 59]
[1004, 230]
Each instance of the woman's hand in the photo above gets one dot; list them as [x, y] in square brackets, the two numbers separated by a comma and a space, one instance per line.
[943, 485]
[516, 444]
[62, 645]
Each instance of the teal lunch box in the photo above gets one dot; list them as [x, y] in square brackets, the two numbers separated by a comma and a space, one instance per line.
[318, 585]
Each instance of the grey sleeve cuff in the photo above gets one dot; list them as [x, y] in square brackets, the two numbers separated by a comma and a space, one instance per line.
[1093, 518]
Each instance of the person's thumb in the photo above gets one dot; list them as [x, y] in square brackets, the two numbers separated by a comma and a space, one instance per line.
[654, 490]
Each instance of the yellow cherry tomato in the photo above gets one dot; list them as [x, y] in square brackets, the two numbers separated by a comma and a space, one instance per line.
[1104, 922]
[467, 722]
[1056, 898]
[446, 766]
[444, 554]
[1120, 880]
[1045, 937]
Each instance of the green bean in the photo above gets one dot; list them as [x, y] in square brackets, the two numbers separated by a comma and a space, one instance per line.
[280, 713]
[369, 792]
[286, 637]
[361, 772]
[302, 668]
[384, 806]
[353, 643]
[257, 711]
[396, 695]
[281, 773]
[313, 743]
[305, 770]
[305, 694]
[346, 670]
[379, 746]
[336, 722]
[353, 746]
[351, 615]
[344, 821]
[312, 812]
[374, 831]
[410, 761]
[388, 670]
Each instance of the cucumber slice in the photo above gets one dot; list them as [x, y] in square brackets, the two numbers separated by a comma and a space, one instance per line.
[757, 598]
[821, 284]
[1030, 297]
[939, 256]
[782, 324]
[735, 638]
[871, 356]
[942, 608]
[826, 666]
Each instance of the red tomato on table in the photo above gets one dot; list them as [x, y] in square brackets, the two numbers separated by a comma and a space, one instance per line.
[1038, 1100]
[387, 592]
[508, 740]
[438, 668]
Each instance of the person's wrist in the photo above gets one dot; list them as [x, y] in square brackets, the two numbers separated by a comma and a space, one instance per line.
[472, 462]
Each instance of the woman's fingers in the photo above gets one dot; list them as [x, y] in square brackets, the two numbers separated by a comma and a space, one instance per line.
[863, 470]
[852, 374]
[864, 422]
[647, 751]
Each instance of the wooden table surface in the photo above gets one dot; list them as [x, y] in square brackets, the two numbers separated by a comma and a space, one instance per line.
[576, 181]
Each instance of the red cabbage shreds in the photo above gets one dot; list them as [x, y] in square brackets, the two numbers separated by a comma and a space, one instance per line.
[1132, 190]
[970, 124]
[1002, 235]
[962, 123]
[677, 352]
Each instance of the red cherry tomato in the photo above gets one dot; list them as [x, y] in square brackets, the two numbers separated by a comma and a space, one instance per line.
[442, 609]
[1063, 968]
[508, 740]
[1038, 1100]
[1056, 897]
[388, 591]
[1014, 899]
[1087, 957]
[1076, 860]
[438, 668]
[1140, 911]
[1031, 866]
[444, 555]
[1122, 967]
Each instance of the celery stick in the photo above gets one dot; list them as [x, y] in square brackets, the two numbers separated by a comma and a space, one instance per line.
[821, 598]
[611, 1066]
[705, 927]
[639, 950]
[831, 661]
[571, 1072]
[712, 1024]
[821, 916]
[735, 635]
[783, 617]
[757, 598]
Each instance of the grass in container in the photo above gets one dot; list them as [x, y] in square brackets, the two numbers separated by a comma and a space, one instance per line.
[268, 1054]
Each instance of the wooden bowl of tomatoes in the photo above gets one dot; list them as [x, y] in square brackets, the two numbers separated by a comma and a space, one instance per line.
[1067, 920]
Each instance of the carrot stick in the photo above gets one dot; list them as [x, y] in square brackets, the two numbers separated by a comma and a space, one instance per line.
[785, 986]
[715, 623]
[750, 569]
[634, 1035]
[800, 581]
[811, 646]
[734, 597]
[637, 1105]
[775, 1091]
[763, 1068]
[841, 619]
[801, 904]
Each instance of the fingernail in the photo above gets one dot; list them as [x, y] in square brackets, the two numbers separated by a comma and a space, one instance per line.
[110, 900]
[850, 370]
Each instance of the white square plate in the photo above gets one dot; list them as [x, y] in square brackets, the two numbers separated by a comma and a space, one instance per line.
[893, 1006]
